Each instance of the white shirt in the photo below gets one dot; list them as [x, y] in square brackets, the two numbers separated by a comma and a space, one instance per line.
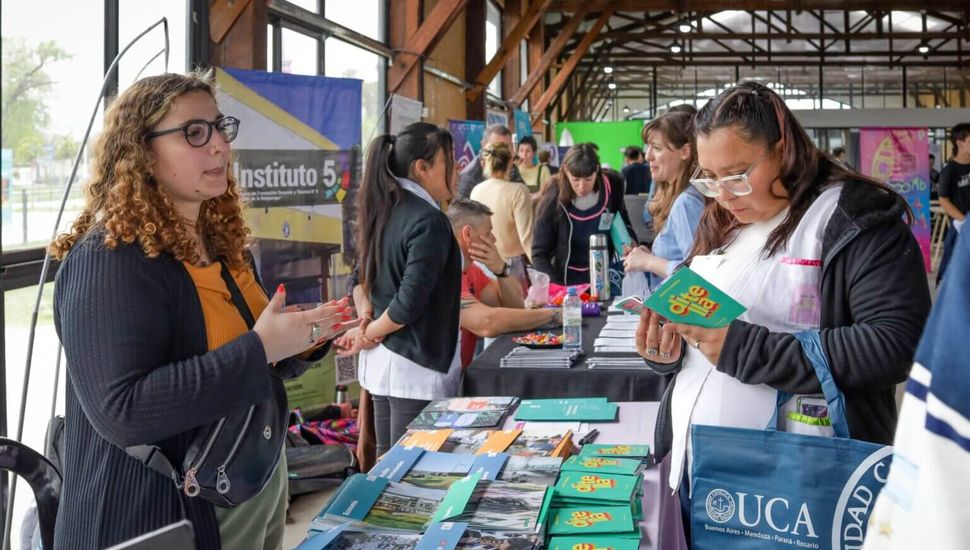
[386, 373]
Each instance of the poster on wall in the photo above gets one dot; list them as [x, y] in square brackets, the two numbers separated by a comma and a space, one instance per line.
[404, 112]
[900, 157]
[467, 135]
[493, 116]
[523, 124]
[297, 163]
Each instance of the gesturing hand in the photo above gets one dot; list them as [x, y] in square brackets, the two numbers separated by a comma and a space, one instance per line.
[285, 334]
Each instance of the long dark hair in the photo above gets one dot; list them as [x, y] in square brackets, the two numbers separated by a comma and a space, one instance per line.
[390, 157]
[581, 161]
[758, 114]
[674, 128]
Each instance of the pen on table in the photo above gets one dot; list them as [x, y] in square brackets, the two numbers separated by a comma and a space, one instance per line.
[590, 437]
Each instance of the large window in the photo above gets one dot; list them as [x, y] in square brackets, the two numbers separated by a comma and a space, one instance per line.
[493, 39]
[346, 61]
[299, 53]
[363, 16]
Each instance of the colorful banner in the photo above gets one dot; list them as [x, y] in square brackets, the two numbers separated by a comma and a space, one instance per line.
[298, 167]
[900, 157]
[523, 124]
[467, 135]
[496, 117]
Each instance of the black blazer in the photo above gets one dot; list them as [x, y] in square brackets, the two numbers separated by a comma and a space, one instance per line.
[139, 372]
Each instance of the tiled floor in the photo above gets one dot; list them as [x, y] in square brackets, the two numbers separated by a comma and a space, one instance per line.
[303, 508]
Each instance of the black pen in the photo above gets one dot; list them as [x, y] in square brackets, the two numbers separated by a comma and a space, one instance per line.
[590, 437]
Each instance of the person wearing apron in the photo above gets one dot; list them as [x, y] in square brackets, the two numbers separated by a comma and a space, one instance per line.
[803, 243]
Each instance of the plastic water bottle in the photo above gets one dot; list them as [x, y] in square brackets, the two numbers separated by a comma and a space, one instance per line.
[572, 322]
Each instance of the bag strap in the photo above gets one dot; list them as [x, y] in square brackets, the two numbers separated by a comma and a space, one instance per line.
[237, 297]
[811, 342]
[151, 455]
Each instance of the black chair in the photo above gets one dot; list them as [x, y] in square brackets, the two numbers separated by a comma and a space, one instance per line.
[42, 477]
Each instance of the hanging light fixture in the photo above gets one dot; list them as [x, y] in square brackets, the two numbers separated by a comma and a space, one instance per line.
[611, 85]
[608, 69]
[685, 26]
[675, 47]
[626, 109]
[923, 48]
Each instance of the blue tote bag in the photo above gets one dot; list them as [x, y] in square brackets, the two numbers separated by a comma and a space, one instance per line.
[758, 489]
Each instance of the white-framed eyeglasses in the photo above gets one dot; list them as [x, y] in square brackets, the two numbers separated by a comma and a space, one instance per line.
[738, 185]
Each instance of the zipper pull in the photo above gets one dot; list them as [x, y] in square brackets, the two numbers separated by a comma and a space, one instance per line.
[191, 486]
[222, 481]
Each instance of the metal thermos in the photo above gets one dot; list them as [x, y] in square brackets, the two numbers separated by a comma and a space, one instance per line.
[342, 395]
[599, 268]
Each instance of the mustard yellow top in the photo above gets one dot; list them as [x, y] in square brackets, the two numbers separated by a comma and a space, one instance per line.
[223, 322]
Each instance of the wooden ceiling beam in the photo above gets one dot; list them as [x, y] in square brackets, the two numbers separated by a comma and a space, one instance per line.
[550, 55]
[418, 45]
[510, 46]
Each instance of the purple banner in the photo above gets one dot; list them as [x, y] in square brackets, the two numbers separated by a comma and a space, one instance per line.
[900, 157]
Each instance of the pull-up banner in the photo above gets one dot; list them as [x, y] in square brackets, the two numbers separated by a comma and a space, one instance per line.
[293, 177]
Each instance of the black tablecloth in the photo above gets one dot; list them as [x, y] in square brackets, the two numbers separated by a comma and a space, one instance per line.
[485, 377]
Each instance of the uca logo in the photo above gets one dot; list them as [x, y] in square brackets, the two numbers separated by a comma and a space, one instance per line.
[720, 505]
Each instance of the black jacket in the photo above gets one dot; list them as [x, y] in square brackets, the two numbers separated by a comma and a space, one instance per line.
[139, 372]
[874, 303]
[551, 242]
[418, 283]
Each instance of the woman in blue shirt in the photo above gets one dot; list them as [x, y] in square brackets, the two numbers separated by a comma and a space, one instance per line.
[675, 206]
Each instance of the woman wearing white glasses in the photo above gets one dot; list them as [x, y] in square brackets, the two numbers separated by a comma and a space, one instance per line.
[803, 243]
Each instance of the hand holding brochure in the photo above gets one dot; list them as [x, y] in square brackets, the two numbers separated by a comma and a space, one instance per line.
[688, 298]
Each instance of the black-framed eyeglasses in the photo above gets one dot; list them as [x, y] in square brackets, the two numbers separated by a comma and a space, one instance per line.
[198, 132]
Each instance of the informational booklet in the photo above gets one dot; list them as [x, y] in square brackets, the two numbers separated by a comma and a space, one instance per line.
[397, 462]
[638, 452]
[589, 487]
[592, 409]
[429, 440]
[427, 420]
[537, 470]
[591, 519]
[593, 542]
[471, 404]
[542, 443]
[439, 470]
[603, 464]
[498, 441]
[686, 297]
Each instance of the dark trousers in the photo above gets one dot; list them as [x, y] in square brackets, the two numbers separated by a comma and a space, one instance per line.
[391, 418]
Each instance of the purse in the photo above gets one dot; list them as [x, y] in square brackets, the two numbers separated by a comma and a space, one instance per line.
[232, 460]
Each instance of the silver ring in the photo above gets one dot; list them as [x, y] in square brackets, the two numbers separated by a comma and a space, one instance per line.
[664, 355]
[315, 332]
[696, 344]
[651, 351]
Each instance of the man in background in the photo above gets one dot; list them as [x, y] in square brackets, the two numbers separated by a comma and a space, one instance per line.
[955, 191]
[472, 174]
[635, 172]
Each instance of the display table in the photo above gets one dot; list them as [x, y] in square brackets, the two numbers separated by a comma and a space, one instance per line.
[484, 377]
[661, 523]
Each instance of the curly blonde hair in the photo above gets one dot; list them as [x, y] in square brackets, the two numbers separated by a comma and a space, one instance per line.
[123, 198]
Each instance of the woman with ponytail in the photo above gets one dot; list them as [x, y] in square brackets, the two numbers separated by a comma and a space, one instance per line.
[410, 273]
[805, 244]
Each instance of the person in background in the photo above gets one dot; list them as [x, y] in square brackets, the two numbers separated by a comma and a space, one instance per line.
[535, 176]
[410, 274]
[636, 174]
[676, 206]
[490, 305]
[544, 158]
[155, 349]
[512, 205]
[934, 179]
[805, 245]
[473, 174]
[927, 489]
[841, 157]
[585, 202]
[955, 191]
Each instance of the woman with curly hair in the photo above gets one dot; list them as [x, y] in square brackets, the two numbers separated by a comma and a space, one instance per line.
[156, 348]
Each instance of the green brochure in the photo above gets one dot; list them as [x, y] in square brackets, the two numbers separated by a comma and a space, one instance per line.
[580, 487]
[591, 519]
[593, 542]
[620, 235]
[580, 409]
[603, 464]
[457, 498]
[688, 298]
[639, 452]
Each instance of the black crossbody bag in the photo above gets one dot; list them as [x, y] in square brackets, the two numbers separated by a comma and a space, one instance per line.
[232, 460]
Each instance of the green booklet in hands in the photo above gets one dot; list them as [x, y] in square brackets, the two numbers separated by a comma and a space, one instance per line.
[688, 298]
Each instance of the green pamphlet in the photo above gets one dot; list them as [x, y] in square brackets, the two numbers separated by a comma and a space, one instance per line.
[603, 464]
[586, 487]
[624, 451]
[620, 235]
[592, 519]
[579, 409]
[457, 498]
[688, 298]
[593, 542]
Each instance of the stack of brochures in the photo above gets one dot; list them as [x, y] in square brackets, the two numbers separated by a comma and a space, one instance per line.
[522, 357]
[618, 335]
[634, 362]
[583, 409]
[464, 412]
